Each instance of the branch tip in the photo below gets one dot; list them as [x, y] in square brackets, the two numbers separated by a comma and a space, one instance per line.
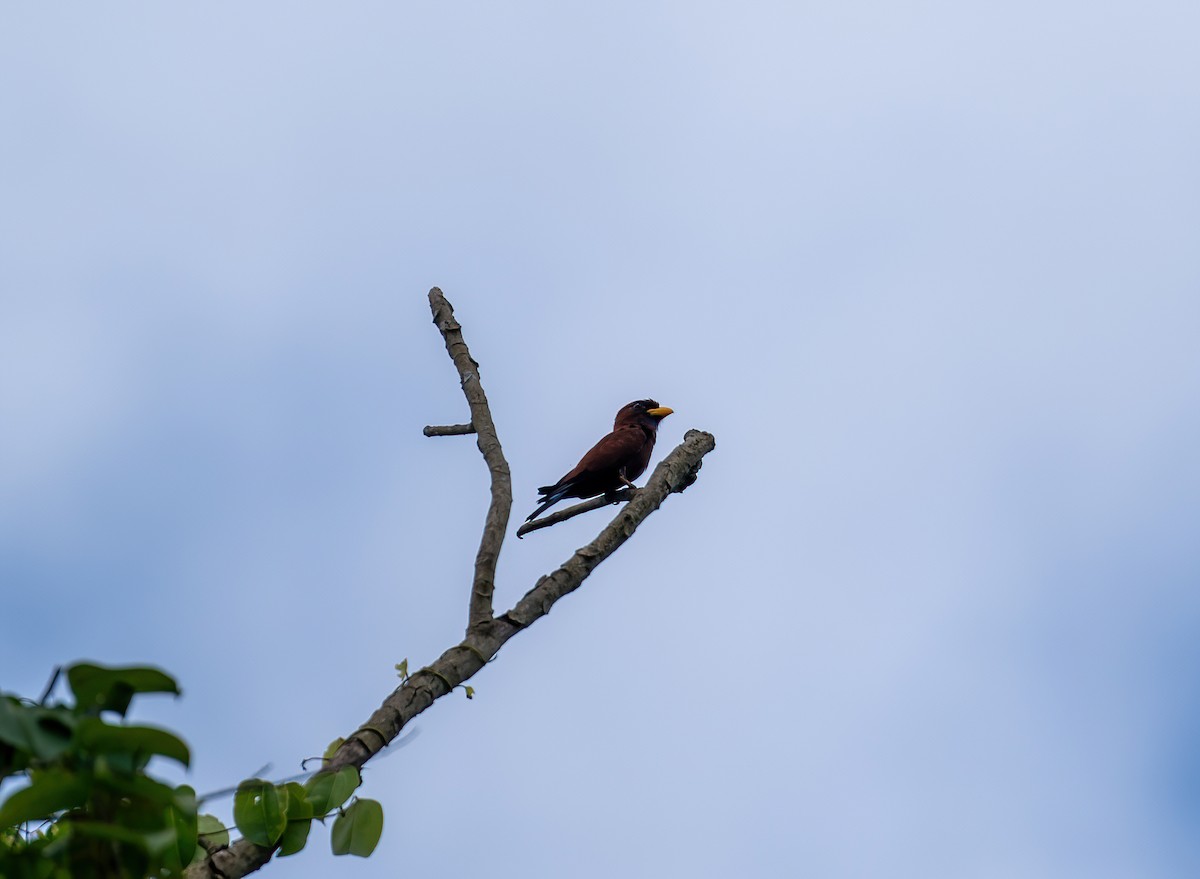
[448, 429]
[496, 522]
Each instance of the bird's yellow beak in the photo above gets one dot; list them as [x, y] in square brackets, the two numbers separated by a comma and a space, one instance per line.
[660, 412]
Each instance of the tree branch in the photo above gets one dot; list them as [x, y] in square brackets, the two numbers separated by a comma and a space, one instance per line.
[571, 512]
[448, 429]
[496, 523]
[458, 664]
[485, 635]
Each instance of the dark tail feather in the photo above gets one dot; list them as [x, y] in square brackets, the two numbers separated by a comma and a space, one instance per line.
[553, 494]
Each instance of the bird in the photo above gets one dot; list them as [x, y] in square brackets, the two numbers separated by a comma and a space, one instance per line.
[615, 461]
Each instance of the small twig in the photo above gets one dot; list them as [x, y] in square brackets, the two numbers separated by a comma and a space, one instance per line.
[50, 686]
[449, 429]
[587, 506]
[496, 523]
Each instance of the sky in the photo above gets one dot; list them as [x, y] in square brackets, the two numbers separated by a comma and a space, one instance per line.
[927, 271]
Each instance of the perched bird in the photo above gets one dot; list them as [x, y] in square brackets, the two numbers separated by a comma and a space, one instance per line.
[615, 461]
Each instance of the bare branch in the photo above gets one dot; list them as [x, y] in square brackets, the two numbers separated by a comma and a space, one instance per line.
[674, 473]
[486, 634]
[587, 506]
[462, 661]
[458, 664]
[449, 430]
[496, 522]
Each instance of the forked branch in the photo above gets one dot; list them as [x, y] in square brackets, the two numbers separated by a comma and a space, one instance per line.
[486, 634]
[496, 523]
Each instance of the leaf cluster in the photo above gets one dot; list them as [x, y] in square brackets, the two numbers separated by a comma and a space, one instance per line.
[81, 803]
[281, 815]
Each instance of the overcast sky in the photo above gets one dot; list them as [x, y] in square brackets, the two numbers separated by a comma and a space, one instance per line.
[928, 271]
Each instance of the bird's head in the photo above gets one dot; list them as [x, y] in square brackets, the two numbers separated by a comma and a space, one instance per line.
[645, 413]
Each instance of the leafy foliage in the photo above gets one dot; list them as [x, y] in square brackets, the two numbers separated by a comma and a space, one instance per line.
[88, 808]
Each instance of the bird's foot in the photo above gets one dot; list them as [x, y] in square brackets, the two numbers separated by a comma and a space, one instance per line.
[616, 495]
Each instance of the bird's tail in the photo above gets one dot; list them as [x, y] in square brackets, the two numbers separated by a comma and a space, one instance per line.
[551, 494]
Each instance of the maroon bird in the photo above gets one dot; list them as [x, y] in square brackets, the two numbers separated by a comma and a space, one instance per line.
[615, 461]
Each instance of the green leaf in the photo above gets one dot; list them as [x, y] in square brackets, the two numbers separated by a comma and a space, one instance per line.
[213, 831]
[98, 688]
[357, 830]
[295, 837]
[136, 788]
[129, 763]
[181, 819]
[114, 833]
[259, 810]
[12, 761]
[332, 749]
[51, 791]
[470, 692]
[44, 733]
[299, 820]
[160, 842]
[105, 738]
[402, 669]
[11, 728]
[328, 790]
[298, 805]
[128, 850]
[51, 732]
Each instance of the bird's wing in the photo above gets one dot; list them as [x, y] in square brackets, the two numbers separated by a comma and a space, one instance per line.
[599, 470]
[611, 453]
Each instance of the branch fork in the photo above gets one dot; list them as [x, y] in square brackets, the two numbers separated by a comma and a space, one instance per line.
[486, 633]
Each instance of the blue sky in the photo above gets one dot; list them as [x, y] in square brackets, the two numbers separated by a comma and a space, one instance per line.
[928, 273]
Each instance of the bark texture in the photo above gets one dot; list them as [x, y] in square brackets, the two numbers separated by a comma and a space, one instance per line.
[448, 429]
[496, 523]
